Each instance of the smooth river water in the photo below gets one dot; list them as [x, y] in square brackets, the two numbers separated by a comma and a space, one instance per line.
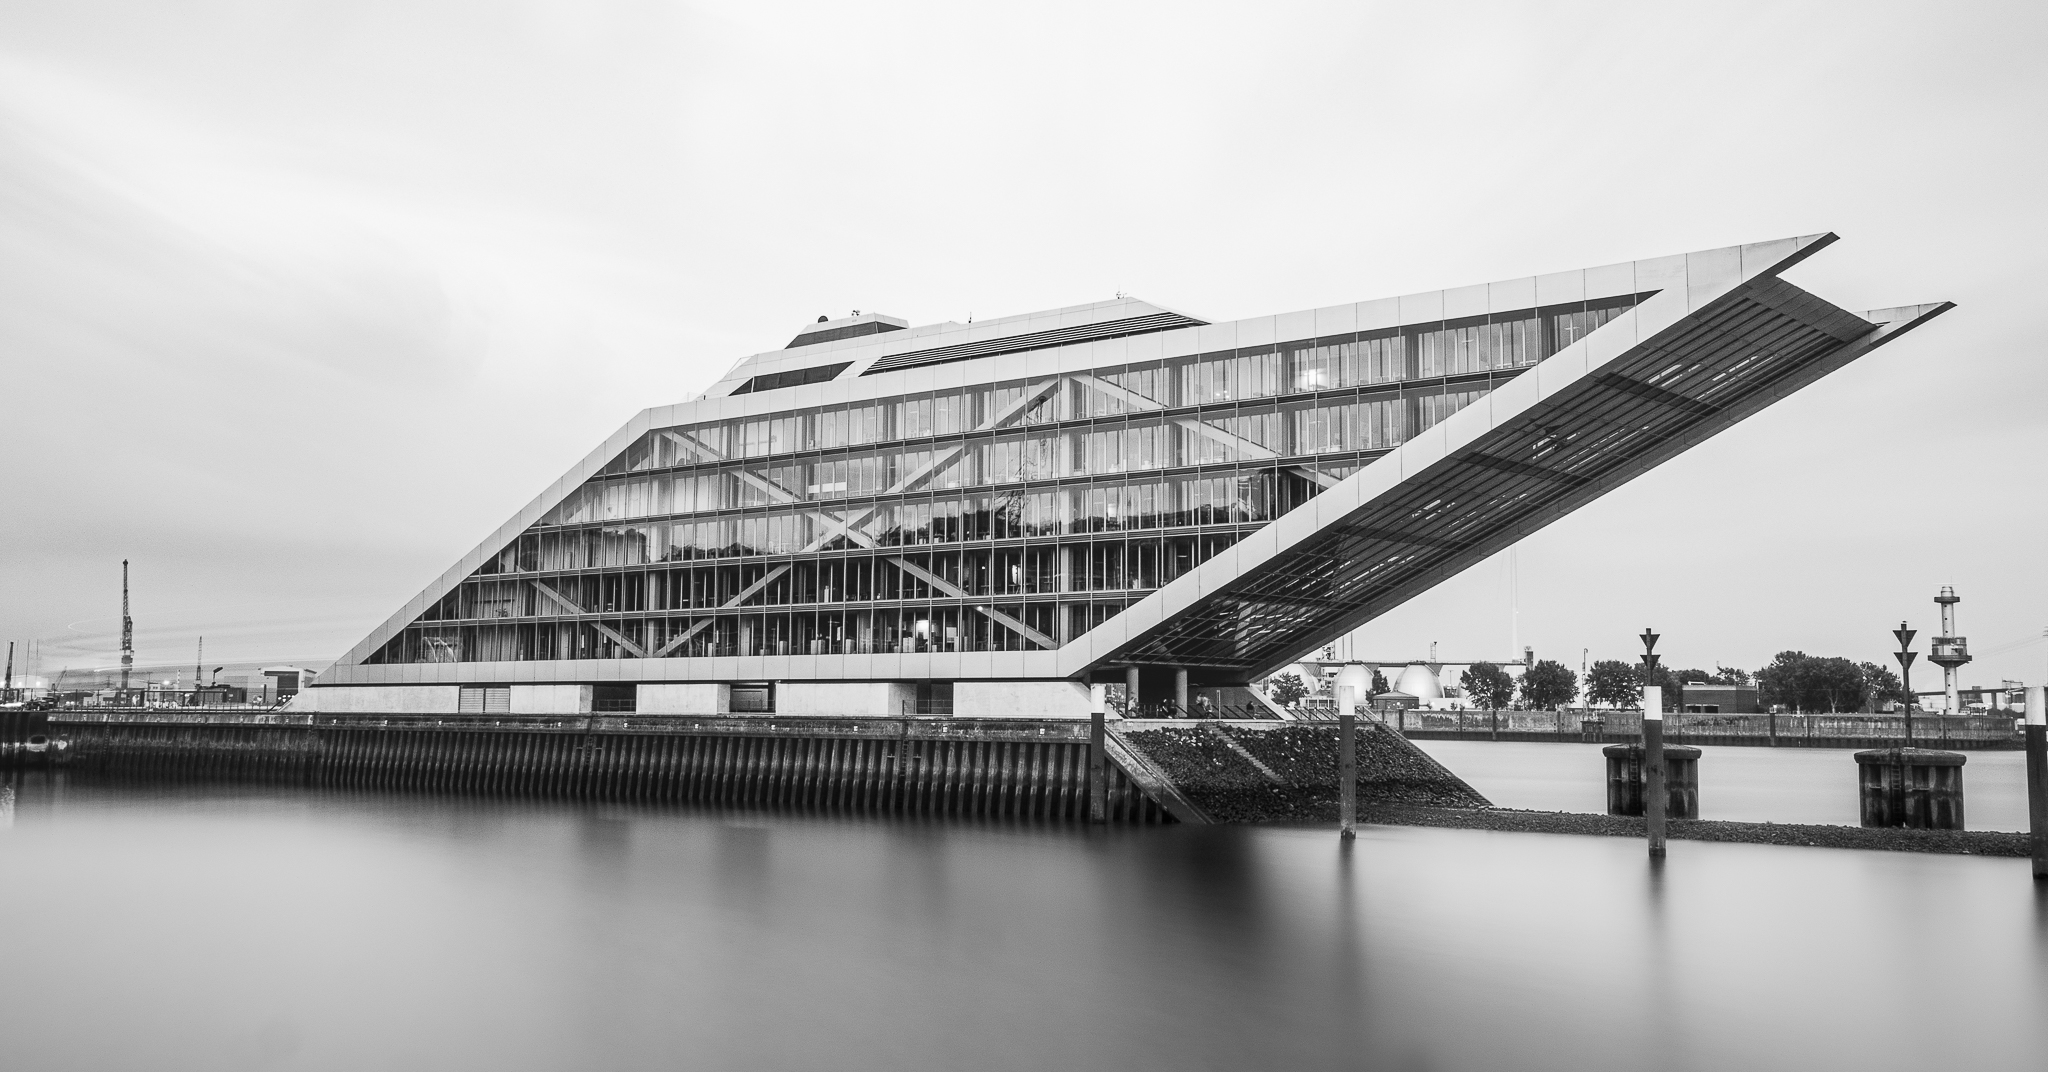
[222, 928]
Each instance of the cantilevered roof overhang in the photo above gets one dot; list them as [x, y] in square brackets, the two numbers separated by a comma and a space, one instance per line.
[1722, 339]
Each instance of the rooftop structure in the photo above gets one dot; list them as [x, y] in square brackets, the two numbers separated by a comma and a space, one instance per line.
[1117, 492]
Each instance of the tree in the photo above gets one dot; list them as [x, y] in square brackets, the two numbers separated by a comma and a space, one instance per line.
[1881, 685]
[1838, 683]
[1613, 682]
[1805, 682]
[1379, 683]
[1725, 675]
[1548, 685]
[1488, 685]
[1784, 681]
[1286, 690]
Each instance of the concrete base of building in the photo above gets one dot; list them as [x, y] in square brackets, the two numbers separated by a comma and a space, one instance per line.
[378, 699]
[684, 698]
[826, 699]
[436, 700]
[1020, 699]
[550, 699]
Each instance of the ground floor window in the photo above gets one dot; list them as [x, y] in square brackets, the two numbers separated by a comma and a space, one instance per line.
[933, 698]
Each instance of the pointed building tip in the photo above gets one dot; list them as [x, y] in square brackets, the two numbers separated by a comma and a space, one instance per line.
[1904, 318]
[1814, 243]
[1775, 256]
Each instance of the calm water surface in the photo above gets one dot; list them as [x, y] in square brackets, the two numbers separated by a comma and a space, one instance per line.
[242, 929]
[1766, 785]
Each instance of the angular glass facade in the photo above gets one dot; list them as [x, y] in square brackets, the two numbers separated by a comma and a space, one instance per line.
[1012, 515]
[980, 519]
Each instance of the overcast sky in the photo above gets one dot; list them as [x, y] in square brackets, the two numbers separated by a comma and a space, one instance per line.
[299, 301]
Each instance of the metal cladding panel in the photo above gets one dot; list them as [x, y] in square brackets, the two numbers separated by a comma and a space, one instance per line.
[1422, 308]
[1379, 314]
[1465, 301]
[1710, 272]
[1510, 295]
[1142, 347]
[998, 665]
[1336, 320]
[1612, 280]
[1558, 288]
[1301, 325]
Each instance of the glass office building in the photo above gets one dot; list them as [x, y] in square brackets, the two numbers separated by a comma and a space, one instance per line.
[984, 518]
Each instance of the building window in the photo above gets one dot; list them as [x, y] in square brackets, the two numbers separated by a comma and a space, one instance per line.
[933, 698]
[614, 698]
[488, 700]
[753, 698]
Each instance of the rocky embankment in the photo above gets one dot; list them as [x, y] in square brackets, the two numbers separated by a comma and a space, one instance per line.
[1288, 774]
[1961, 842]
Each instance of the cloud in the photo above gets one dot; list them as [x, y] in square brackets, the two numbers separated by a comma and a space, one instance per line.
[297, 302]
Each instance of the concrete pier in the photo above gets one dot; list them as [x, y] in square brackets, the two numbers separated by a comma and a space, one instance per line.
[1917, 788]
[1627, 773]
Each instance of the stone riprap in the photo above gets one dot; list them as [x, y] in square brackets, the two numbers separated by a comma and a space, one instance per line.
[1288, 774]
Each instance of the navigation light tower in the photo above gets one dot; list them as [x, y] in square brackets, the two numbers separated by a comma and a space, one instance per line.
[1949, 650]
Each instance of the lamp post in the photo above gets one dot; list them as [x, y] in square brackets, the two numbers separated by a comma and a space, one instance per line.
[1654, 793]
[1905, 657]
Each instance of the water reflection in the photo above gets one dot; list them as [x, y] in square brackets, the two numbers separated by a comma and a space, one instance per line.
[194, 928]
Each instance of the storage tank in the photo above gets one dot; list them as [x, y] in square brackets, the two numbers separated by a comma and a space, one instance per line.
[1419, 681]
[1358, 678]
